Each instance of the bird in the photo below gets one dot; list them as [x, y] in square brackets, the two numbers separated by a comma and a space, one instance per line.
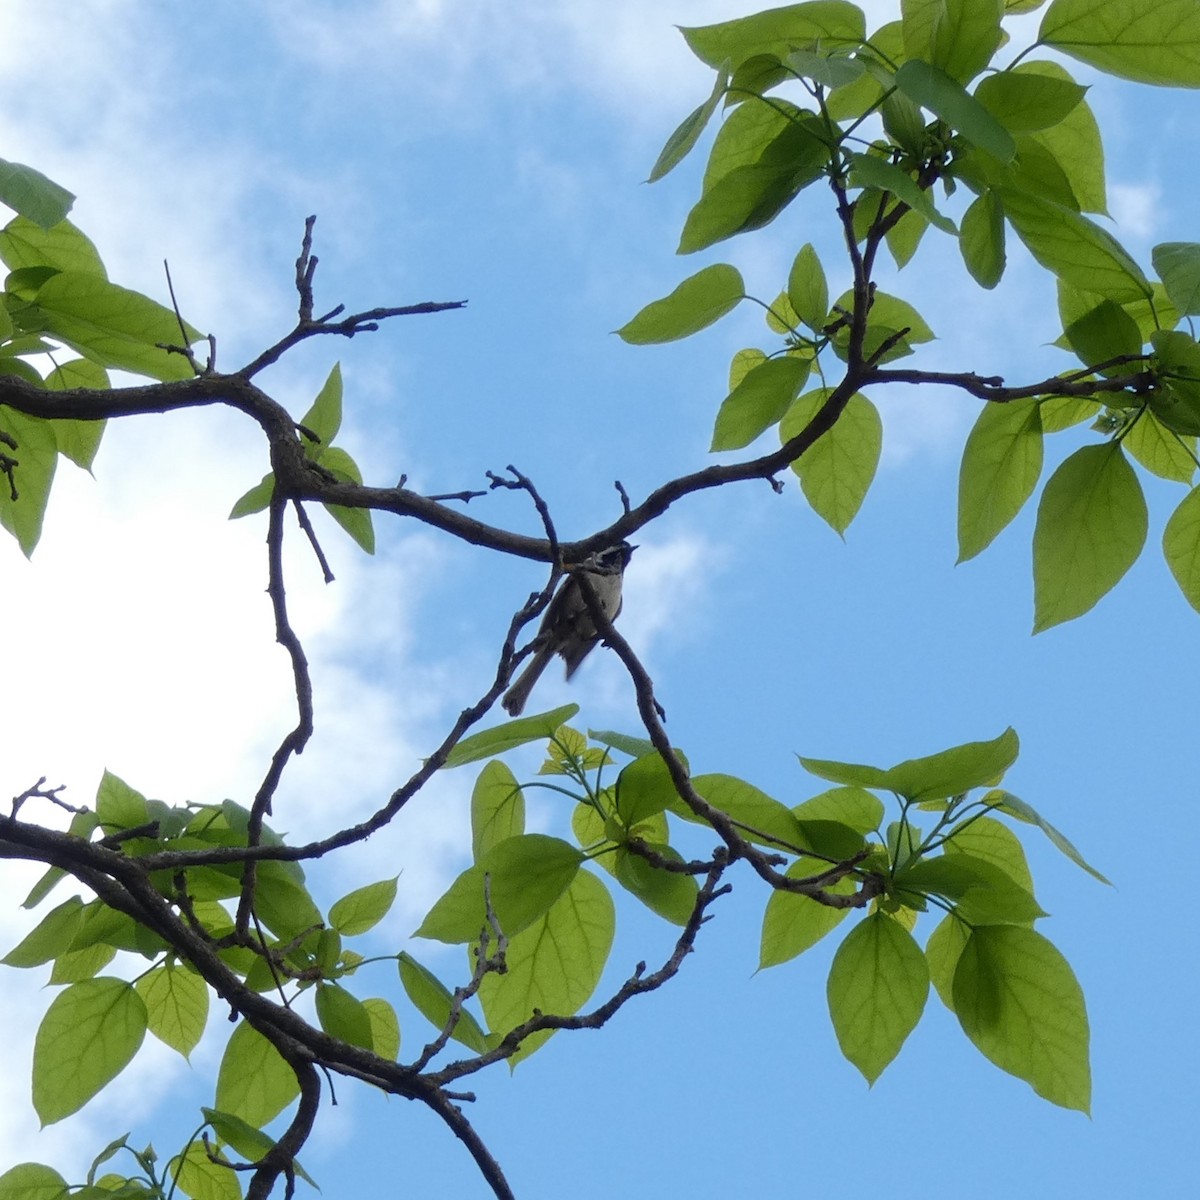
[567, 627]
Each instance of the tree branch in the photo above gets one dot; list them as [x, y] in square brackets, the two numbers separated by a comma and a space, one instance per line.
[1081, 384]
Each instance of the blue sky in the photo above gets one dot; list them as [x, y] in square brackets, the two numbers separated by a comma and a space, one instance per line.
[458, 150]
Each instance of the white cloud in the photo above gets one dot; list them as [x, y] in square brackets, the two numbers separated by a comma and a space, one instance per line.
[140, 637]
[1136, 208]
[668, 589]
[628, 54]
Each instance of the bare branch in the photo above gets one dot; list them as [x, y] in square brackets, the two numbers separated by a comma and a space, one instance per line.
[1082, 384]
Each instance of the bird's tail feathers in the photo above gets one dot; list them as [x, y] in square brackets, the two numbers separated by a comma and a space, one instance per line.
[513, 701]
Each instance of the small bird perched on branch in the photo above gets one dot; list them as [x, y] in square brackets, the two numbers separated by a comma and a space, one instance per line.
[567, 627]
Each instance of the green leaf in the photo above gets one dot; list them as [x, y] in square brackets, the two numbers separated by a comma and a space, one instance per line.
[253, 1081]
[1152, 314]
[1104, 332]
[985, 894]
[24, 243]
[992, 841]
[78, 440]
[555, 964]
[981, 240]
[853, 806]
[850, 774]
[751, 196]
[52, 877]
[999, 903]
[324, 417]
[749, 134]
[670, 894]
[777, 31]
[695, 304]
[363, 908]
[689, 131]
[1037, 172]
[807, 289]
[781, 318]
[877, 988]
[954, 771]
[256, 499]
[754, 78]
[936, 91]
[830, 840]
[31, 194]
[21, 288]
[635, 747]
[326, 949]
[1177, 403]
[870, 171]
[959, 36]
[86, 963]
[89, 1035]
[176, 1002]
[119, 806]
[283, 903]
[758, 402]
[937, 875]
[942, 952]
[904, 123]
[1091, 526]
[1018, 1000]
[195, 1174]
[343, 1016]
[1181, 549]
[793, 923]
[836, 471]
[743, 362]
[1178, 266]
[37, 457]
[433, 1001]
[644, 789]
[832, 70]
[1074, 142]
[1062, 412]
[1001, 463]
[497, 808]
[1167, 454]
[905, 236]
[762, 818]
[82, 825]
[32, 1181]
[890, 313]
[1024, 102]
[13, 367]
[51, 937]
[110, 1151]
[113, 326]
[1009, 803]
[355, 521]
[385, 1027]
[509, 735]
[252, 1144]
[1151, 41]
[527, 875]
[592, 831]
[1074, 248]
[851, 100]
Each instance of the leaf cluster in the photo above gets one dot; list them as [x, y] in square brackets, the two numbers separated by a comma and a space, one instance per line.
[886, 120]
